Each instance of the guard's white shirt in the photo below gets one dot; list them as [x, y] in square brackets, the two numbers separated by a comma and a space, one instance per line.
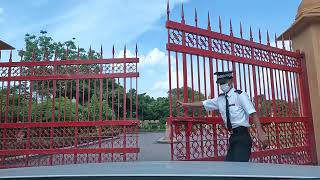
[240, 107]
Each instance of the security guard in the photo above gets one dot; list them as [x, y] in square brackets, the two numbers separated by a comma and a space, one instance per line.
[235, 108]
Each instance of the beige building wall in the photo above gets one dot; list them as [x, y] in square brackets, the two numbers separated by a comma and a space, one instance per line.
[308, 42]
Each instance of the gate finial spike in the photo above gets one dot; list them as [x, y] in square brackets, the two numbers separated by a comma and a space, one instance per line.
[136, 50]
[112, 51]
[90, 52]
[268, 38]
[259, 36]
[275, 39]
[196, 17]
[168, 11]
[55, 54]
[251, 38]
[124, 50]
[10, 58]
[44, 54]
[22, 54]
[231, 31]
[101, 52]
[209, 24]
[241, 30]
[282, 39]
[182, 14]
[220, 25]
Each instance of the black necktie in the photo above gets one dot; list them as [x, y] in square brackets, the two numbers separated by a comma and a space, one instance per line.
[229, 126]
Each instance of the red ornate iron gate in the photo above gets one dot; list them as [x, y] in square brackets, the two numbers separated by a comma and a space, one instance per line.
[68, 111]
[274, 78]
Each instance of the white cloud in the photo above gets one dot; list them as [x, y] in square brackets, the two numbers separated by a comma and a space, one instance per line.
[154, 57]
[109, 21]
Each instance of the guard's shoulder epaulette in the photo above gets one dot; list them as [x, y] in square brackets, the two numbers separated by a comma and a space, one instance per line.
[238, 91]
[222, 94]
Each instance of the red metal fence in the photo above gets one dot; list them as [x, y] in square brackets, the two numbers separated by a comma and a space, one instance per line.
[68, 111]
[274, 78]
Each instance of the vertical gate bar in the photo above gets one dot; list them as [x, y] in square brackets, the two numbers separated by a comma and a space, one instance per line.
[185, 89]
[18, 110]
[47, 103]
[124, 103]
[94, 99]
[89, 103]
[250, 82]
[296, 86]
[272, 81]
[277, 88]
[170, 88]
[131, 98]
[198, 65]
[41, 107]
[70, 100]
[281, 86]
[185, 74]
[244, 77]
[233, 63]
[298, 89]
[112, 87]
[240, 76]
[204, 80]
[177, 88]
[100, 117]
[29, 110]
[210, 61]
[59, 106]
[292, 93]
[192, 83]
[8, 89]
[100, 100]
[1, 120]
[217, 69]
[255, 85]
[53, 109]
[289, 93]
[13, 105]
[124, 87]
[77, 100]
[137, 105]
[36, 102]
[107, 98]
[65, 100]
[83, 105]
[118, 117]
[137, 128]
[199, 85]
[267, 70]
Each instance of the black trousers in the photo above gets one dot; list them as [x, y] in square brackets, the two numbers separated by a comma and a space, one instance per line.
[240, 144]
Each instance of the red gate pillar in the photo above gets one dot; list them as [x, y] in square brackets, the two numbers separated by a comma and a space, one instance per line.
[305, 33]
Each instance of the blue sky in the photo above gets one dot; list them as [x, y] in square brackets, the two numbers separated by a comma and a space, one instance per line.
[119, 22]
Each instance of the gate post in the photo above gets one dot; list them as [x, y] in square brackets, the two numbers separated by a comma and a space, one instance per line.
[304, 33]
[307, 110]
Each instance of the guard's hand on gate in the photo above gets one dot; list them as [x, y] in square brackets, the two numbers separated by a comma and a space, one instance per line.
[263, 139]
[181, 104]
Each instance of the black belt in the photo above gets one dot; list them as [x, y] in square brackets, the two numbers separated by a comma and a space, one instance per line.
[239, 130]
